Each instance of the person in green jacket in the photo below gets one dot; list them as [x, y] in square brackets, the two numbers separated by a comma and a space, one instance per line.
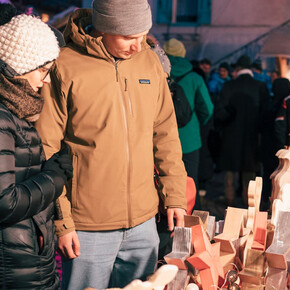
[200, 102]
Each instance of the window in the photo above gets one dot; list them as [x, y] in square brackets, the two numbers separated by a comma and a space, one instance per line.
[186, 10]
[183, 11]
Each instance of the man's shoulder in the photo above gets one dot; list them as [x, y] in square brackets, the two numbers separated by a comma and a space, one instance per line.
[69, 51]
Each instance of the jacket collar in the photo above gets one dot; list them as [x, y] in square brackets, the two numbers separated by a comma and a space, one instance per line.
[245, 71]
[76, 35]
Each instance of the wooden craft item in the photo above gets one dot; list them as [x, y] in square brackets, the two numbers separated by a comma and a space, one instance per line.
[279, 168]
[260, 231]
[285, 197]
[181, 247]
[247, 247]
[230, 238]
[180, 281]
[163, 276]
[276, 208]
[276, 279]
[255, 192]
[234, 223]
[282, 204]
[254, 200]
[192, 286]
[254, 267]
[251, 193]
[249, 286]
[227, 254]
[210, 230]
[203, 216]
[192, 220]
[258, 192]
[282, 176]
[219, 227]
[255, 220]
[278, 254]
[270, 234]
[206, 259]
[251, 218]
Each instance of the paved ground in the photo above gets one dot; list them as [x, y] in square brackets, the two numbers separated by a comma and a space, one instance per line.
[214, 200]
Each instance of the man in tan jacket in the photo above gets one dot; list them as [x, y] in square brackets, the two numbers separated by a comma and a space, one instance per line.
[109, 102]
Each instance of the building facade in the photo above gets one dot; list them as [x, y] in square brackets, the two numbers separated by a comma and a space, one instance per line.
[218, 29]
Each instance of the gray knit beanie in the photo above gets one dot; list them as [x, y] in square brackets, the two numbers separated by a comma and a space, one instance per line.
[121, 17]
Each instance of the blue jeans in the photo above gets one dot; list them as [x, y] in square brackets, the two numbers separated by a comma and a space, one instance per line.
[112, 258]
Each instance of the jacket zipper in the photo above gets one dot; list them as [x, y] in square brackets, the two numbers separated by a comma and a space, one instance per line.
[129, 99]
[127, 144]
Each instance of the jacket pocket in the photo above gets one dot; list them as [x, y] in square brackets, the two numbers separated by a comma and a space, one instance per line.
[40, 234]
[74, 202]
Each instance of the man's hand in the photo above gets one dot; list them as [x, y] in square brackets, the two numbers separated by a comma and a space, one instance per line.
[178, 215]
[69, 245]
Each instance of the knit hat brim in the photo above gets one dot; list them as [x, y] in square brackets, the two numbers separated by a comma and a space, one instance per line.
[27, 43]
[122, 17]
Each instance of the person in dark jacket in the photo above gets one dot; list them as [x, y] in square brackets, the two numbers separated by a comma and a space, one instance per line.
[29, 185]
[271, 142]
[281, 88]
[217, 80]
[239, 114]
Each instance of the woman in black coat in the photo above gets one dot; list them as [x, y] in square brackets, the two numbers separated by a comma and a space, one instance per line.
[29, 185]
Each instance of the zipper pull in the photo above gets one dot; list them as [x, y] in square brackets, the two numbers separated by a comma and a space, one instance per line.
[116, 68]
[126, 85]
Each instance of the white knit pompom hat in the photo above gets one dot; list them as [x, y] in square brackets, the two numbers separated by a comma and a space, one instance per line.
[27, 43]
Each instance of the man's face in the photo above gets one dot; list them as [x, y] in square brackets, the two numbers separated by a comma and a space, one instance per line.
[123, 46]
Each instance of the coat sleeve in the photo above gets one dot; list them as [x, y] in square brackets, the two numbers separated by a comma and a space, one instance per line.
[19, 201]
[51, 127]
[167, 150]
[203, 103]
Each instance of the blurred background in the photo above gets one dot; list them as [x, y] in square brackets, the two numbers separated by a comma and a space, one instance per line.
[220, 30]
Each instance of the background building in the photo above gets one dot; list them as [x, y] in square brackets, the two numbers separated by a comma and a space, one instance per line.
[220, 30]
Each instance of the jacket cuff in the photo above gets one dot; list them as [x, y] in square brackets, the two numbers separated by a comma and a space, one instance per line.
[171, 202]
[64, 226]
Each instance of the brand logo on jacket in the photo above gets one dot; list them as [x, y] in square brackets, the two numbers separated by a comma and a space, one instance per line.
[144, 82]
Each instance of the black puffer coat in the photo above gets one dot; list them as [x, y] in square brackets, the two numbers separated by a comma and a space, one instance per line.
[26, 208]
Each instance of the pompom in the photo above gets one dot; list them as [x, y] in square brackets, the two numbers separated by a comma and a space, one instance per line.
[7, 12]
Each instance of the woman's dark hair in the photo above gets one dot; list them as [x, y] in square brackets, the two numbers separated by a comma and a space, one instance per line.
[7, 12]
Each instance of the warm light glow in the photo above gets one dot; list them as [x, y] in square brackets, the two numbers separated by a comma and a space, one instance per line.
[44, 17]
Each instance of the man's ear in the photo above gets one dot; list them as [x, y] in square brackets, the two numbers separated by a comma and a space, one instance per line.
[95, 33]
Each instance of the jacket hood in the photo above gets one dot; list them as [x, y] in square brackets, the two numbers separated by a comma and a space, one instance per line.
[76, 35]
[179, 66]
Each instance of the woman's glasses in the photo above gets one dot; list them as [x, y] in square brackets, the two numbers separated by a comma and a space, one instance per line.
[46, 71]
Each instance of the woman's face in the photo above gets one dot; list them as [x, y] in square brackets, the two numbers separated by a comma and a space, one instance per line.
[38, 77]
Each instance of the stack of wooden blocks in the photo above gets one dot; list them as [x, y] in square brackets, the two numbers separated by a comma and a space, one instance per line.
[245, 251]
[251, 245]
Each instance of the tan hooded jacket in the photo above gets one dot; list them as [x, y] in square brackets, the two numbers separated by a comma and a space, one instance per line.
[118, 119]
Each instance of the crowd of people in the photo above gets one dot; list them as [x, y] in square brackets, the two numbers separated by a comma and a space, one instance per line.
[84, 119]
